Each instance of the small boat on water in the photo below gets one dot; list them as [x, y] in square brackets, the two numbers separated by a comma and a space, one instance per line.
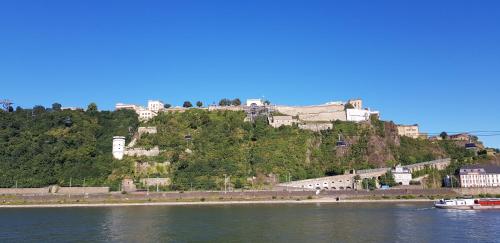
[484, 203]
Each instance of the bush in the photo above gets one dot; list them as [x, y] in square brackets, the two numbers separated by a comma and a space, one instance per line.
[408, 197]
[202, 199]
[309, 197]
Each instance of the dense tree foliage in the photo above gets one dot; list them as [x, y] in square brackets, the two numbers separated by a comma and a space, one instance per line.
[236, 102]
[222, 143]
[40, 148]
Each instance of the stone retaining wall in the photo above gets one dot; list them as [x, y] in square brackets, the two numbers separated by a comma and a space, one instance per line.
[82, 190]
[479, 190]
[44, 190]
[142, 152]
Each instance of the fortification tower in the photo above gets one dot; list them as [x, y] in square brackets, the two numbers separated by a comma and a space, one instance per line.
[118, 147]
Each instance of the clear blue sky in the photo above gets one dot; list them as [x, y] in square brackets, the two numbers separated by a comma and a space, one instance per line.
[435, 63]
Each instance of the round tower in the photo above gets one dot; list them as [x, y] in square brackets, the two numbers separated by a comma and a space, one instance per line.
[118, 147]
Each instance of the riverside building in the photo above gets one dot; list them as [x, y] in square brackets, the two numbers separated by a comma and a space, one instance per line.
[480, 176]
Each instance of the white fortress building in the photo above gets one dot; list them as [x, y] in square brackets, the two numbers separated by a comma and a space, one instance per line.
[319, 117]
[152, 110]
[118, 147]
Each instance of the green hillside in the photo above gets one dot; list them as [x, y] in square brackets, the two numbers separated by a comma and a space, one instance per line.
[39, 148]
[222, 143]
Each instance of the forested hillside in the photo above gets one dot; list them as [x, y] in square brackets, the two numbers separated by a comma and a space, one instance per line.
[203, 146]
[40, 147]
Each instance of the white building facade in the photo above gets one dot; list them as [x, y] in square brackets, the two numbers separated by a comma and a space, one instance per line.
[155, 105]
[401, 175]
[152, 110]
[357, 115]
[480, 176]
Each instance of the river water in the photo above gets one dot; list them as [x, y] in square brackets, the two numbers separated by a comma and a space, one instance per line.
[346, 222]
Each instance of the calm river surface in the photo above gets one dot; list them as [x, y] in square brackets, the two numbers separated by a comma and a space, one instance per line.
[349, 222]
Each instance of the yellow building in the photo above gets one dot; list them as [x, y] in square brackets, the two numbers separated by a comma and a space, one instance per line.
[408, 131]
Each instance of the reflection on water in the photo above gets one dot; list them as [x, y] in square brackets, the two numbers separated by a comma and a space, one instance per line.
[370, 222]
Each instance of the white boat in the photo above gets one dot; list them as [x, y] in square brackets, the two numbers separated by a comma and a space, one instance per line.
[457, 204]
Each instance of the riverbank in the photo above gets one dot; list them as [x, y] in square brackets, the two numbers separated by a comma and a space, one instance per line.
[205, 203]
[218, 197]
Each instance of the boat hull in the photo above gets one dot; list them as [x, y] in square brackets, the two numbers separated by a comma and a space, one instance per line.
[462, 207]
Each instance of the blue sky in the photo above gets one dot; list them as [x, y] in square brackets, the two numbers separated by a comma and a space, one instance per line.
[435, 63]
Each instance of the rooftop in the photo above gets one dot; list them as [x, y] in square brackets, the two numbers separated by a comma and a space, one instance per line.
[488, 169]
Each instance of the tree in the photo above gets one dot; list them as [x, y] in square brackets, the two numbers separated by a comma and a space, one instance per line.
[199, 103]
[225, 102]
[443, 135]
[38, 109]
[387, 179]
[6, 104]
[187, 104]
[370, 183]
[166, 106]
[267, 102]
[236, 102]
[92, 107]
[348, 106]
[10, 109]
[56, 106]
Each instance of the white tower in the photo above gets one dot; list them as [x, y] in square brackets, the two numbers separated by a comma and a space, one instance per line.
[118, 147]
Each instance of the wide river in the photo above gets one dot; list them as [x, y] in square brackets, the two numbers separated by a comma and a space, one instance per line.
[345, 222]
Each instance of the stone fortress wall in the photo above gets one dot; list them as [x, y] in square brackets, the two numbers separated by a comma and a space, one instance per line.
[297, 110]
[324, 117]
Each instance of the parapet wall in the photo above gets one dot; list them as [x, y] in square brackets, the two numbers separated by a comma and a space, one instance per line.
[54, 189]
[82, 190]
[43, 190]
